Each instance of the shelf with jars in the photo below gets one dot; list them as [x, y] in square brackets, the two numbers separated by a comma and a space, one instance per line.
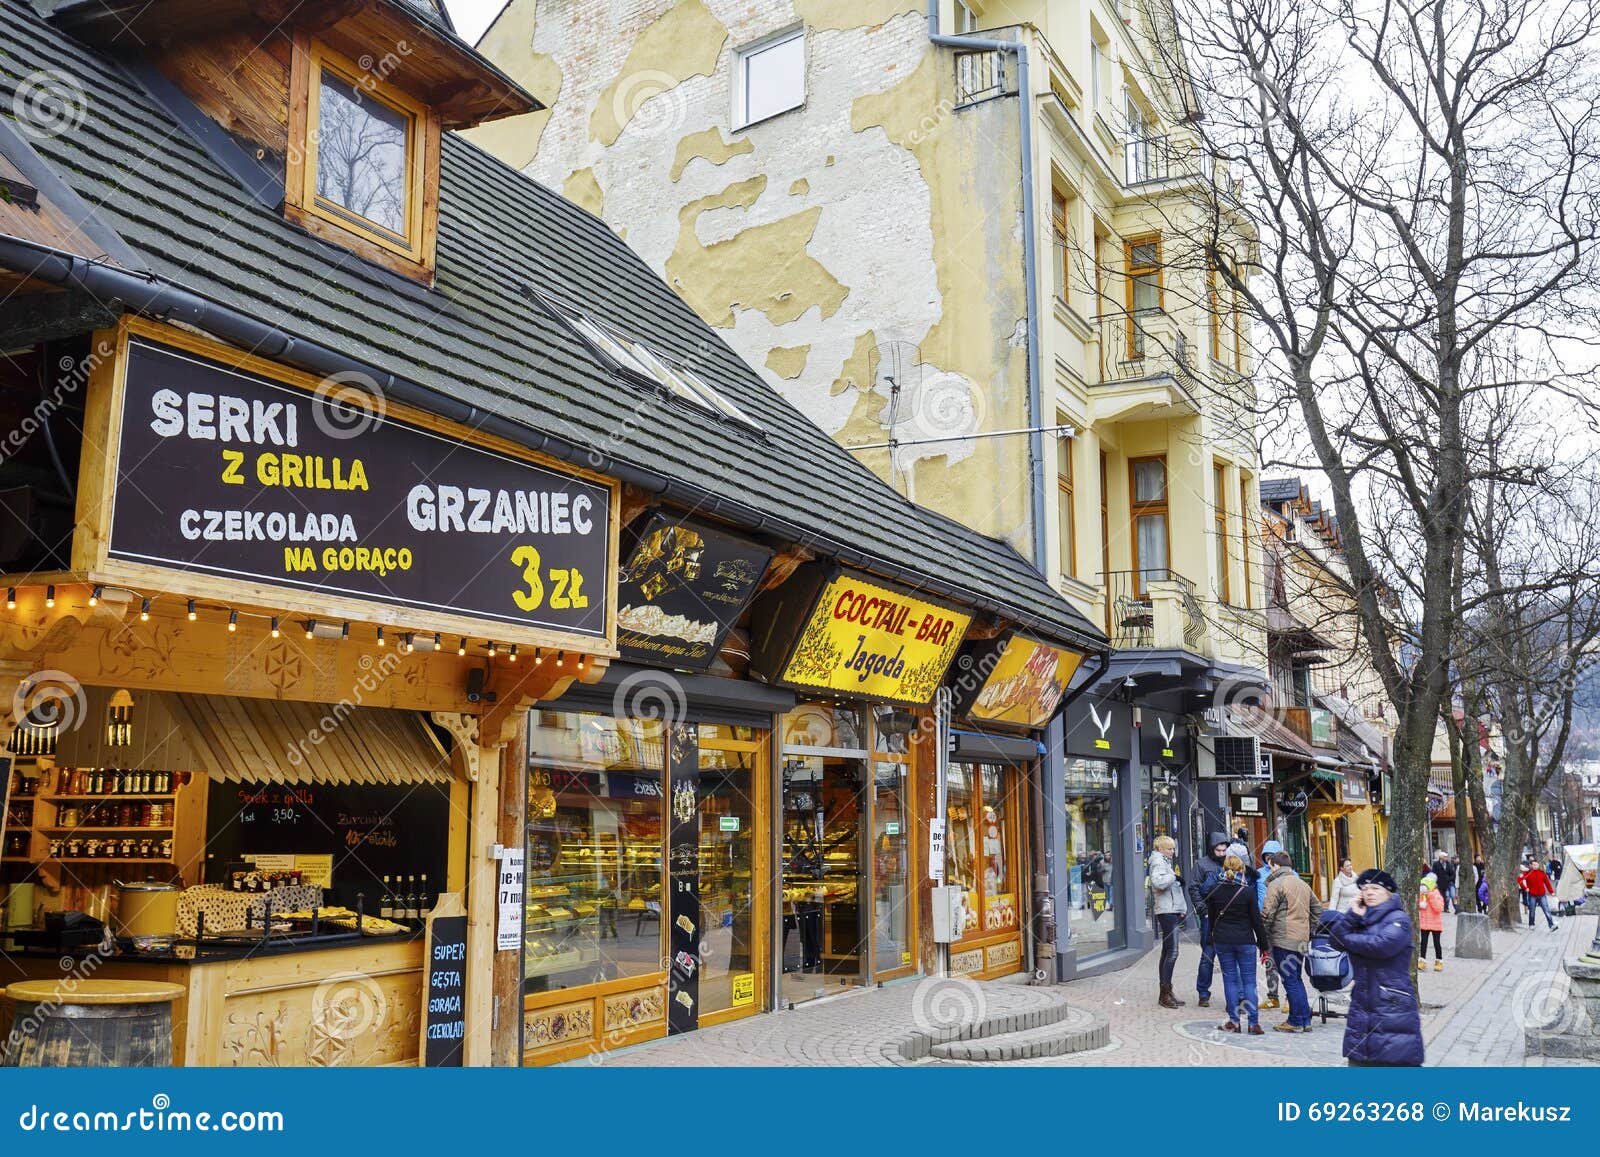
[112, 817]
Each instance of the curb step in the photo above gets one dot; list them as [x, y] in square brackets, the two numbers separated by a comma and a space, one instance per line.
[1079, 1031]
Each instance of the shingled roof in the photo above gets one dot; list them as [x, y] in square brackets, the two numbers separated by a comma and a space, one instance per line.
[481, 337]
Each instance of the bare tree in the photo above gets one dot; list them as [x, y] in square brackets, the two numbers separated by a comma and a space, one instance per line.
[1408, 193]
[1530, 625]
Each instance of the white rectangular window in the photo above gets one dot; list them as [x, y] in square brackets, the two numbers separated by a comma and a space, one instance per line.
[770, 78]
[966, 21]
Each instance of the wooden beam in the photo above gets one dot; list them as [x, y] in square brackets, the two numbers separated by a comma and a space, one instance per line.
[37, 317]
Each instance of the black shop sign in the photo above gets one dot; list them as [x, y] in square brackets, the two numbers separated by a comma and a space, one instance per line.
[683, 587]
[445, 991]
[232, 473]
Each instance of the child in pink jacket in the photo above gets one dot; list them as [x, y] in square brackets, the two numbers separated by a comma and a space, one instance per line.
[1430, 922]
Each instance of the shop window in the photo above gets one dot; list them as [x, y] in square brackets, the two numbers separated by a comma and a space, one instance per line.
[359, 161]
[981, 809]
[1149, 512]
[595, 839]
[770, 77]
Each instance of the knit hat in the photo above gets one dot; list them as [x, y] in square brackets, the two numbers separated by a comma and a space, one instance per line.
[1238, 849]
[1271, 848]
[1430, 882]
[1379, 877]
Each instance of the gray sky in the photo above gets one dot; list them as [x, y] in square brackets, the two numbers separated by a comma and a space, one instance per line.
[473, 16]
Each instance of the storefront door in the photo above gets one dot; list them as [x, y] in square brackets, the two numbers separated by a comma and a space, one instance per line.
[823, 939]
[730, 780]
[1092, 824]
[891, 869]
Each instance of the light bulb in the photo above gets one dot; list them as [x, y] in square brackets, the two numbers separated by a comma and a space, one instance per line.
[233, 620]
[191, 610]
[274, 626]
[144, 611]
[50, 596]
[380, 637]
[94, 595]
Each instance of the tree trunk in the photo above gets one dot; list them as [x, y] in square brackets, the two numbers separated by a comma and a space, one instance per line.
[1464, 748]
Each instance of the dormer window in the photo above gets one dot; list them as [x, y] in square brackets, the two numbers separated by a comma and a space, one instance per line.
[366, 149]
[347, 103]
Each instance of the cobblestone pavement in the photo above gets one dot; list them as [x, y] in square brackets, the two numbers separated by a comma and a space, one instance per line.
[1474, 1012]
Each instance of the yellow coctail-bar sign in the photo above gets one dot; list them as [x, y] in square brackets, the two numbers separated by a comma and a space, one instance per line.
[870, 640]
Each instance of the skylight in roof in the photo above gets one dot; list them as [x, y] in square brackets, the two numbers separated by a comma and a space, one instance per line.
[636, 358]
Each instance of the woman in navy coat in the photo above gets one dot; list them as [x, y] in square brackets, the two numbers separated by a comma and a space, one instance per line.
[1384, 1025]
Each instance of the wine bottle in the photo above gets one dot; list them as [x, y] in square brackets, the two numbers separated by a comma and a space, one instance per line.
[424, 900]
[386, 904]
[411, 898]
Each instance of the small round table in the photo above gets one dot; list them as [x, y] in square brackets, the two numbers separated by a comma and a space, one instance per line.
[91, 1024]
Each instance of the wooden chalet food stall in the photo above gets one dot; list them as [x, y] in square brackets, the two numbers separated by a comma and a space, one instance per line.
[286, 652]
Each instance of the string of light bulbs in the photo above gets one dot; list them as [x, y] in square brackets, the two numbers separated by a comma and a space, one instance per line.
[434, 640]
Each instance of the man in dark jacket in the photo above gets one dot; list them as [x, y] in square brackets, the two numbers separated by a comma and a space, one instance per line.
[1444, 873]
[1384, 1026]
[1205, 868]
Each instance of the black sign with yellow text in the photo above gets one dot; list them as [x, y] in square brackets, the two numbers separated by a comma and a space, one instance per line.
[228, 472]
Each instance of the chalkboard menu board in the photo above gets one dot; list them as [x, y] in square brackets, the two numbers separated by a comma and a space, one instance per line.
[444, 1030]
[370, 830]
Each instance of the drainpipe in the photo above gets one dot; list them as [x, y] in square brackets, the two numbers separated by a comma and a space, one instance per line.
[1030, 264]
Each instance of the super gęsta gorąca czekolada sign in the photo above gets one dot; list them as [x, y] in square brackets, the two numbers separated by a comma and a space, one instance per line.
[230, 472]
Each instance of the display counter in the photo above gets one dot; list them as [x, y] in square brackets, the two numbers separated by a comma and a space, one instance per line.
[334, 1000]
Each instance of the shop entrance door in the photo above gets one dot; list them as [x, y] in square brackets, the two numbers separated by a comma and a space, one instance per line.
[823, 943]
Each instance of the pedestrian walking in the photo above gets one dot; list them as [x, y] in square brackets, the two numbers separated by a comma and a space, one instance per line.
[1344, 891]
[1289, 916]
[1538, 889]
[1445, 873]
[1483, 894]
[1201, 878]
[1169, 908]
[1268, 850]
[1240, 938]
[1384, 1026]
[1430, 922]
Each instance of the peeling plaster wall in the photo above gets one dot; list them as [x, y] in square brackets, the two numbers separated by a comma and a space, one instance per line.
[872, 230]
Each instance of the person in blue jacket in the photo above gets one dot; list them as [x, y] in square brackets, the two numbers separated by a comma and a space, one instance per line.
[1384, 1026]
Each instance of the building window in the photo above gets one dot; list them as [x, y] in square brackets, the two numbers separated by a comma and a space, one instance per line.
[1214, 307]
[1105, 529]
[966, 19]
[1238, 333]
[1097, 70]
[770, 78]
[1143, 266]
[1148, 493]
[1063, 214]
[1246, 529]
[1219, 481]
[1140, 143]
[1065, 520]
[361, 161]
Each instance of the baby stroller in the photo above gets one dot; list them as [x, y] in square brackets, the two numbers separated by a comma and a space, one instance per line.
[1328, 966]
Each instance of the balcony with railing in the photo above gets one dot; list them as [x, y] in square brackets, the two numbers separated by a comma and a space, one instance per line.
[1153, 609]
[1161, 158]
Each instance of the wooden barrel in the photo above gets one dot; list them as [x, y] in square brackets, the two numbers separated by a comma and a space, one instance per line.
[92, 1024]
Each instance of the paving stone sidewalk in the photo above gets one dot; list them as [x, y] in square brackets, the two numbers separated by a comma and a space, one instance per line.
[1474, 1014]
